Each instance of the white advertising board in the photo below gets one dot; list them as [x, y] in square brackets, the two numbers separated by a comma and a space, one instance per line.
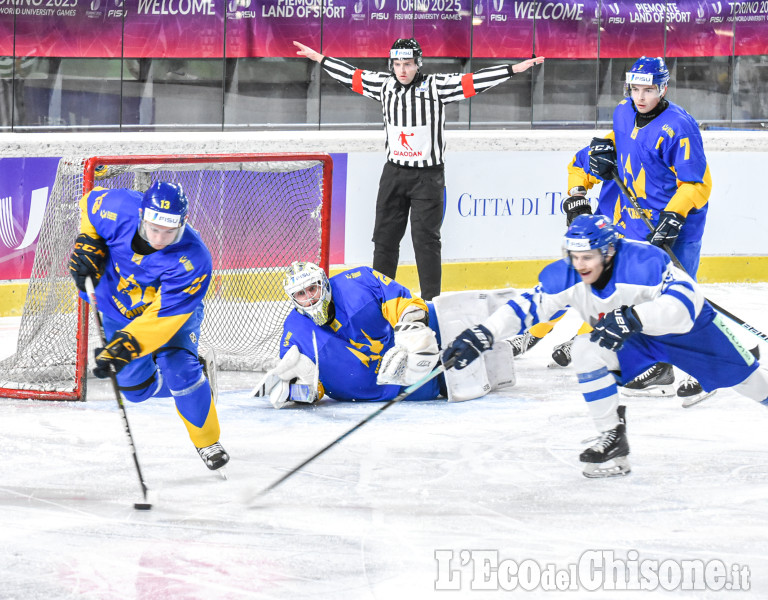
[506, 206]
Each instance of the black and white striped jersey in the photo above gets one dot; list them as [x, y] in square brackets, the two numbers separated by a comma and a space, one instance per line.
[414, 115]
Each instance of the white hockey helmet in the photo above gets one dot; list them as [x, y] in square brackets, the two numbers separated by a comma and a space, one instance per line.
[315, 303]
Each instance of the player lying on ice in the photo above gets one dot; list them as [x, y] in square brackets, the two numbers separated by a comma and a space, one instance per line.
[362, 336]
[152, 271]
[643, 310]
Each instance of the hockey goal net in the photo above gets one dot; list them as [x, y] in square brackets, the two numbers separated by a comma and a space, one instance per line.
[257, 214]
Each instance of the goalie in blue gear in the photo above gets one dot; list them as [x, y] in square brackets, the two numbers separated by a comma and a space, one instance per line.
[362, 336]
[153, 271]
[643, 310]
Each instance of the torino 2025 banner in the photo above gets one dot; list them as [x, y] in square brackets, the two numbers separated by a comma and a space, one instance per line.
[366, 28]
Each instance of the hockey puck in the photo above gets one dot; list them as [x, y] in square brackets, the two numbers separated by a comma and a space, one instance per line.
[142, 506]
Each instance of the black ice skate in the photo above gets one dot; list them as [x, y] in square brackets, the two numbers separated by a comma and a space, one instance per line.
[607, 457]
[214, 456]
[658, 380]
[522, 343]
[691, 392]
[561, 355]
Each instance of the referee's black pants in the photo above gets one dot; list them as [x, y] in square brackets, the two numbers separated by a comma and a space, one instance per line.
[420, 191]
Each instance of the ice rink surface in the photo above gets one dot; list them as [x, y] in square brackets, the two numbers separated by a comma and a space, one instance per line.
[399, 509]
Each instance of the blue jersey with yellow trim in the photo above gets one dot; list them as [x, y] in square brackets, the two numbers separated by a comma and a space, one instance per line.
[663, 163]
[152, 294]
[368, 305]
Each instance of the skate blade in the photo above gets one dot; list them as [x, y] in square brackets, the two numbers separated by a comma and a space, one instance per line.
[222, 472]
[649, 392]
[694, 400]
[611, 468]
[557, 365]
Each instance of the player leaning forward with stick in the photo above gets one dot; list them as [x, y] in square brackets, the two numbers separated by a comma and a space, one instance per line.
[413, 179]
[643, 310]
[152, 270]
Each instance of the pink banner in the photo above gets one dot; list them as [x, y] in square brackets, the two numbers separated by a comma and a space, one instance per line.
[499, 31]
[25, 185]
[366, 28]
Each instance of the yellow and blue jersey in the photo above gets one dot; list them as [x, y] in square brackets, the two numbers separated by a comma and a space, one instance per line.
[663, 163]
[367, 307]
[151, 295]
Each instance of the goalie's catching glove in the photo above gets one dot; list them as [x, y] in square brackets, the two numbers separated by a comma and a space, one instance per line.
[87, 260]
[293, 379]
[467, 346]
[119, 352]
[615, 327]
[667, 229]
[602, 158]
[414, 354]
[576, 205]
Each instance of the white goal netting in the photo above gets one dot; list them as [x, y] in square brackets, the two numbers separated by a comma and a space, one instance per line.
[256, 213]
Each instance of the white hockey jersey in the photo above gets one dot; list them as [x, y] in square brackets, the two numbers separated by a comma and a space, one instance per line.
[666, 299]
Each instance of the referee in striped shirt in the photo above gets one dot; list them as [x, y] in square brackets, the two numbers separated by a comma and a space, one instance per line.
[413, 178]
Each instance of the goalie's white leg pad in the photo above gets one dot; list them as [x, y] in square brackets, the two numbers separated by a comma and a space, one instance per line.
[468, 383]
[611, 468]
[500, 365]
[456, 312]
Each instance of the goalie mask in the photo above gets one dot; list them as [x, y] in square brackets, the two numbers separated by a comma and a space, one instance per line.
[403, 49]
[590, 232]
[647, 71]
[163, 214]
[309, 290]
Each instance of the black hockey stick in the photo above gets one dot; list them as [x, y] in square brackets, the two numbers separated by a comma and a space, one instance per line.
[89, 289]
[678, 264]
[399, 398]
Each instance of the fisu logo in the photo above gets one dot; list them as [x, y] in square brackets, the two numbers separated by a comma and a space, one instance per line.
[498, 5]
[8, 223]
[379, 4]
[479, 8]
[95, 4]
[717, 7]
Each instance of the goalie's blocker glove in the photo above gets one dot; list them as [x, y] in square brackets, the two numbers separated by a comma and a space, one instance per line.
[88, 260]
[602, 158]
[119, 352]
[615, 328]
[667, 229]
[467, 346]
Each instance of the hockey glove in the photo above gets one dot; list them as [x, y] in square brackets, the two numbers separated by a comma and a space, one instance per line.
[667, 229]
[414, 354]
[119, 352]
[293, 379]
[575, 206]
[615, 327]
[602, 158]
[88, 260]
[467, 346]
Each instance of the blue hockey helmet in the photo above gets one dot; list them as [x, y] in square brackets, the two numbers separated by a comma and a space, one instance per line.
[403, 49]
[307, 277]
[164, 204]
[647, 71]
[590, 232]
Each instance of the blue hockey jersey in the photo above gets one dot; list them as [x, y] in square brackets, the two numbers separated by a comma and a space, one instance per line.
[368, 305]
[663, 164]
[153, 294]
